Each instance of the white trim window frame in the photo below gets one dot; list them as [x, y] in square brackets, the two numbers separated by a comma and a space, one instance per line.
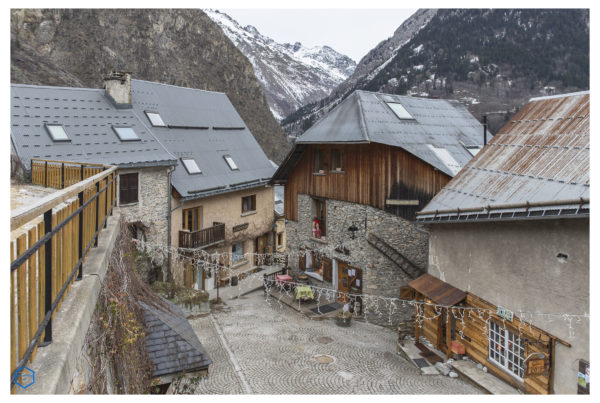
[507, 350]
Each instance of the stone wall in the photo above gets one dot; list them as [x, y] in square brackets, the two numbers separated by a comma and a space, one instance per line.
[381, 277]
[152, 208]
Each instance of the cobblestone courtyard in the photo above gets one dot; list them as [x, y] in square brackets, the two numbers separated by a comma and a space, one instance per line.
[268, 348]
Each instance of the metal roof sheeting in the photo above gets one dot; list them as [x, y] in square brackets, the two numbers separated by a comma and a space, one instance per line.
[365, 117]
[87, 117]
[205, 126]
[541, 157]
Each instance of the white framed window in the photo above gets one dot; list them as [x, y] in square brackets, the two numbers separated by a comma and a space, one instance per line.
[155, 119]
[57, 133]
[399, 110]
[126, 133]
[507, 350]
[237, 252]
[230, 162]
[191, 166]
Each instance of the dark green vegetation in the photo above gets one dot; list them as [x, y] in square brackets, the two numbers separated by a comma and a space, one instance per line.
[540, 45]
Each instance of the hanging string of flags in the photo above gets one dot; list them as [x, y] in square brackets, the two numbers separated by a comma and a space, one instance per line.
[373, 306]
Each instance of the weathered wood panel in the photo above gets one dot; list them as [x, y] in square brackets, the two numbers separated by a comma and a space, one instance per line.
[472, 331]
[372, 173]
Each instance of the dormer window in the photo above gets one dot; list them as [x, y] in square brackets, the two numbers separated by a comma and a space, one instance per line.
[191, 166]
[230, 162]
[155, 119]
[399, 110]
[126, 133]
[57, 133]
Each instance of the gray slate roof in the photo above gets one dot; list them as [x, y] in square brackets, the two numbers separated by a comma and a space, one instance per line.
[541, 158]
[87, 117]
[365, 117]
[171, 343]
[205, 126]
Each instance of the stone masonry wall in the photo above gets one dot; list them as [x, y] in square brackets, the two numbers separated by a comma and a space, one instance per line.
[152, 206]
[380, 276]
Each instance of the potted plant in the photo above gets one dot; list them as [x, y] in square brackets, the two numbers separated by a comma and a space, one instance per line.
[343, 319]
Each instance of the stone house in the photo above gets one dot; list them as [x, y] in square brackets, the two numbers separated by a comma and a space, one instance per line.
[360, 174]
[191, 174]
[220, 201]
[511, 231]
[87, 125]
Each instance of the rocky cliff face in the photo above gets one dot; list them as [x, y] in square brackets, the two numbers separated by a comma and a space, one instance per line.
[493, 61]
[291, 75]
[178, 47]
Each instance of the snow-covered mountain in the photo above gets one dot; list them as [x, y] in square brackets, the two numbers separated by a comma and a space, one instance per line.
[291, 75]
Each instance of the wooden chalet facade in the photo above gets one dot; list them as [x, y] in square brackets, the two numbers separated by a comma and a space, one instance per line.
[354, 181]
[378, 175]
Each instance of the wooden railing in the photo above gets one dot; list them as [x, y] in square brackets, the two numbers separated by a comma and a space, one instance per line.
[202, 238]
[50, 240]
[61, 174]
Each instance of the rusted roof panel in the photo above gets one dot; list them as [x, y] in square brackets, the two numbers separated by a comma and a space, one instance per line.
[540, 156]
[437, 290]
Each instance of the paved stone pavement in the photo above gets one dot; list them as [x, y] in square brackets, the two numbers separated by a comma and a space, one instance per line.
[268, 348]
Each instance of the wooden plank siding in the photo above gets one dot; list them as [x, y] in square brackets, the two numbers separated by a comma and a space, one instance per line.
[27, 282]
[372, 173]
[475, 337]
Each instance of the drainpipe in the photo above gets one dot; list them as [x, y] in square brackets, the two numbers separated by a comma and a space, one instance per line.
[169, 275]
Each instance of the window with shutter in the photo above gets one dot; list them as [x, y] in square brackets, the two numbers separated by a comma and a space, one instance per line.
[128, 188]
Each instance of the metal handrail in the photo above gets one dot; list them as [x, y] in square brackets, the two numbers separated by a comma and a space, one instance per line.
[45, 206]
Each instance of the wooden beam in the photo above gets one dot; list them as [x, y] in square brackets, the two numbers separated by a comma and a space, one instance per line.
[448, 334]
[392, 202]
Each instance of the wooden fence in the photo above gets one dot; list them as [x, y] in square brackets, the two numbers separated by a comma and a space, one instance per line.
[61, 174]
[50, 241]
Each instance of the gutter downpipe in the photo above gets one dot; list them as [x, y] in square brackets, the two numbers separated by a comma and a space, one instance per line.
[169, 274]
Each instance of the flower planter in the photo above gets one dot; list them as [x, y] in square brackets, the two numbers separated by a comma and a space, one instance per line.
[343, 319]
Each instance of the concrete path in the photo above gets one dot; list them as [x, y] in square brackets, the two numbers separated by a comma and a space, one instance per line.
[276, 350]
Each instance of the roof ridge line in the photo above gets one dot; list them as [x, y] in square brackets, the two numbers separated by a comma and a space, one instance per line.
[363, 124]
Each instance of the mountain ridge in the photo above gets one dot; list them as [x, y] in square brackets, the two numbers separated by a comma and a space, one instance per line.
[291, 75]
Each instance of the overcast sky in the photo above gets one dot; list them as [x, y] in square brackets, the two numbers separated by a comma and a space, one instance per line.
[352, 32]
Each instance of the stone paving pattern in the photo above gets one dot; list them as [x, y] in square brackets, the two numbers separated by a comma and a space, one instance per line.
[279, 349]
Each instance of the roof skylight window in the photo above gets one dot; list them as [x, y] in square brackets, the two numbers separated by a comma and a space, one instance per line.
[155, 119]
[399, 110]
[230, 162]
[57, 133]
[126, 133]
[473, 149]
[191, 166]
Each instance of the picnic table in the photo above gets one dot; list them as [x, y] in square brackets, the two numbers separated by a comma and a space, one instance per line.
[304, 292]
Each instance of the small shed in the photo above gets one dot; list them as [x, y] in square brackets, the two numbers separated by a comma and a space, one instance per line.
[172, 345]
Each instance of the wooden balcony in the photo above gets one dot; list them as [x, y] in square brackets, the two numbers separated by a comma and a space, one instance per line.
[202, 238]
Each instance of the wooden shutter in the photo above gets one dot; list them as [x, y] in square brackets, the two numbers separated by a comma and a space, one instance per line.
[128, 188]
[327, 266]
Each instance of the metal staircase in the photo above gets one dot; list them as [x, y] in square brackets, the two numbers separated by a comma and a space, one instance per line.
[403, 263]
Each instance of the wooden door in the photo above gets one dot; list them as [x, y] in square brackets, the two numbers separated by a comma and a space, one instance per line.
[327, 268]
[191, 219]
[343, 282]
[302, 260]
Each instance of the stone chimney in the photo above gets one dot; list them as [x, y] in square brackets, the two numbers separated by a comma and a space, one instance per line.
[118, 87]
